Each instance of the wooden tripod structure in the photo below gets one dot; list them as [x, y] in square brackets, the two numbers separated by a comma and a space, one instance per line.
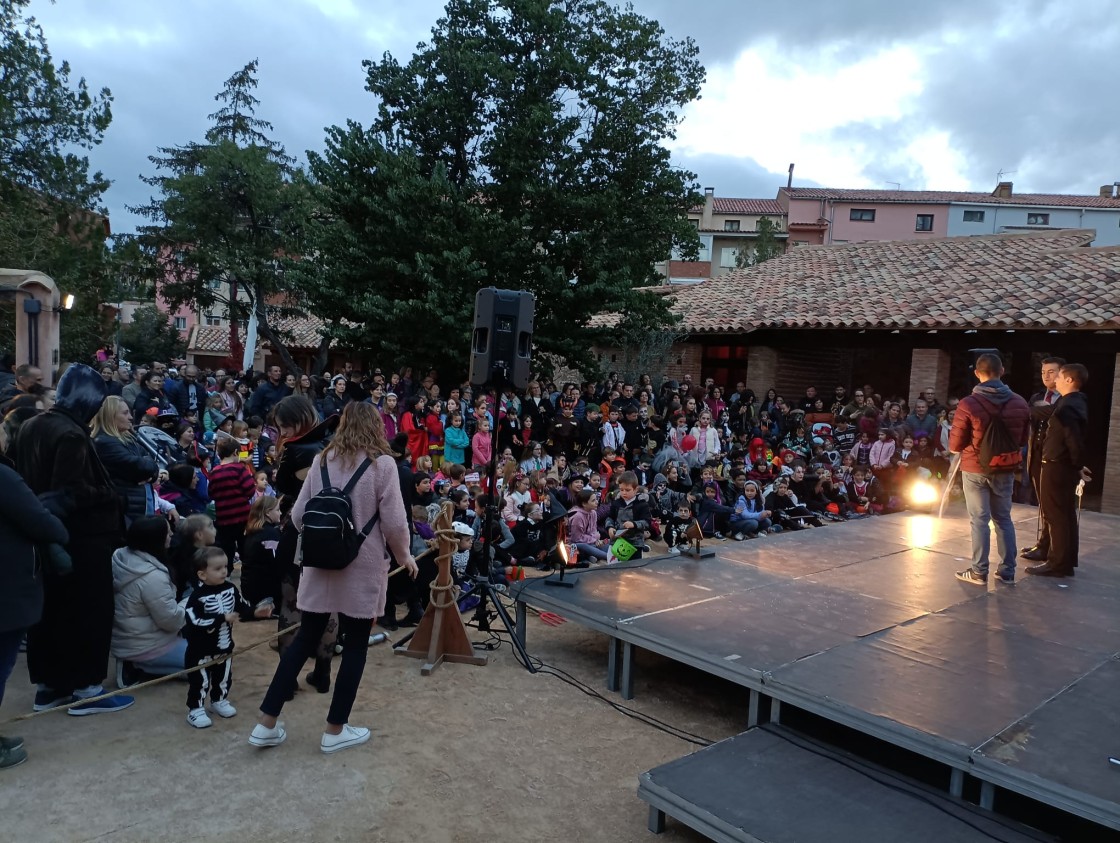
[442, 635]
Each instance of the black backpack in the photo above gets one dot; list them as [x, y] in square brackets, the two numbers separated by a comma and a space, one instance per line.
[329, 539]
[998, 451]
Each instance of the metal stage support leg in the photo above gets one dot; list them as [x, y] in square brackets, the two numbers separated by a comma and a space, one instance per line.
[775, 710]
[520, 622]
[987, 795]
[656, 820]
[956, 782]
[627, 670]
[752, 709]
[613, 664]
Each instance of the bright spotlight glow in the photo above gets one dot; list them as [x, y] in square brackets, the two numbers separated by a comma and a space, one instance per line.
[68, 301]
[924, 494]
[921, 531]
[562, 546]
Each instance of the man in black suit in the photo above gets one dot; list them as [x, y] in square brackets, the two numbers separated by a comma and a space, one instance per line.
[1042, 405]
[1063, 465]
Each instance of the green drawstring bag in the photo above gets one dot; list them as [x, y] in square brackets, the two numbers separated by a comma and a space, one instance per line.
[623, 550]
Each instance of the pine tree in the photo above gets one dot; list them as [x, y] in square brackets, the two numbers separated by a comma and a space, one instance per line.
[229, 218]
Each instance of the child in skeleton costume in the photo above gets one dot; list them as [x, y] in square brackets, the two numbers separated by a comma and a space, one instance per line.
[212, 609]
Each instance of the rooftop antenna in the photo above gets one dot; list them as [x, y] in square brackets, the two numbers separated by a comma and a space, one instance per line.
[789, 182]
[1002, 173]
[897, 184]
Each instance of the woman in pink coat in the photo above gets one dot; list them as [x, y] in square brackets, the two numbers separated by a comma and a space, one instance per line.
[357, 592]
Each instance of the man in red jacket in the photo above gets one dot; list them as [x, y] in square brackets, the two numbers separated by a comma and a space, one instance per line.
[987, 493]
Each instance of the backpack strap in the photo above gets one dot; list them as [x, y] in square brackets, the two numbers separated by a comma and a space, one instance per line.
[357, 476]
[323, 473]
[364, 534]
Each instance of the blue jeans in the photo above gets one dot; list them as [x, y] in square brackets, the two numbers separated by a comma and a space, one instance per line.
[988, 498]
[591, 550]
[170, 662]
[749, 524]
[9, 650]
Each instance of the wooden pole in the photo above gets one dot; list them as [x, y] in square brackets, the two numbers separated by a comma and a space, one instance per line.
[442, 635]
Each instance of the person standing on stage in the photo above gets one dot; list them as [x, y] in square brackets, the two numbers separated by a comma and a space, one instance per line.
[1042, 405]
[987, 493]
[1063, 465]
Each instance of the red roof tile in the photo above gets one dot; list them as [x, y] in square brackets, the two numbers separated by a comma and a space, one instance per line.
[299, 332]
[935, 197]
[752, 207]
[1041, 280]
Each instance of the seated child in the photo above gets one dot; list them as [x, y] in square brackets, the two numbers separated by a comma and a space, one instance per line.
[212, 609]
[713, 515]
[749, 508]
[583, 528]
[629, 514]
[529, 546]
[193, 533]
[676, 526]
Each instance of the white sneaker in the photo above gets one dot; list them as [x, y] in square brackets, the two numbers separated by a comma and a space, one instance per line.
[198, 718]
[349, 736]
[739, 537]
[264, 736]
[223, 708]
[674, 551]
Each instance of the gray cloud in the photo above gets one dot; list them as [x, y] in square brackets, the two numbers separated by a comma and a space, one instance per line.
[735, 177]
[1036, 103]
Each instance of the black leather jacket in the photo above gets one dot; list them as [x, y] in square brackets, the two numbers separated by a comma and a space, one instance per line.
[296, 455]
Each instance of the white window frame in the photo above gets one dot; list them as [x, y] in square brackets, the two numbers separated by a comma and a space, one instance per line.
[727, 257]
[977, 216]
[180, 323]
[1038, 219]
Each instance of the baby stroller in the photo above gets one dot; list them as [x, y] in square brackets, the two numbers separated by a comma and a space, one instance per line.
[157, 443]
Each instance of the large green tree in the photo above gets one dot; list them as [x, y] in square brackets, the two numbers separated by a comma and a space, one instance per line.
[151, 336]
[229, 220]
[51, 217]
[522, 147]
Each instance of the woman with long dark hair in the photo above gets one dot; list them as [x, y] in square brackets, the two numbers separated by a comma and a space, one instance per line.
[302, 437]
[356, 593]
[412, 423]
[146, 616]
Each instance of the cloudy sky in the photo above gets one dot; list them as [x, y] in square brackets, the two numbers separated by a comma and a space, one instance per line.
[860, 93]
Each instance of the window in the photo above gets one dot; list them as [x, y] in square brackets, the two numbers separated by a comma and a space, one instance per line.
[727, 258]
[973, 216]
[730, 225]
[213, 321]
[180, 323]
[923, 222]
[862, 215]
[800, 242]
[695, 223]
[1038, 219]
[214, 284]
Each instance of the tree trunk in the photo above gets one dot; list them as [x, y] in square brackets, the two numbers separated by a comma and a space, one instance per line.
[321, 354]
[273, 338]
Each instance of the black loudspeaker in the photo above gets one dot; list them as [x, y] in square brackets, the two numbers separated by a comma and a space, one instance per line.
[501, 349]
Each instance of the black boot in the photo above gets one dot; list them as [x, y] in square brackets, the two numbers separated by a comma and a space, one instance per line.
[320, 677]
[415, 614]
[389, 619]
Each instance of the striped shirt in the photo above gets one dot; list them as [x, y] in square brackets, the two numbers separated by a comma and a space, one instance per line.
[231, 487]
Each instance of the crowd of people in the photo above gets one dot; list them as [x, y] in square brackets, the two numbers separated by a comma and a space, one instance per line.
[126, 543]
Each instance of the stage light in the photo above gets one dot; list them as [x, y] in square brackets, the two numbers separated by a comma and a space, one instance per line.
[68, 301]
[562, 547]
[924, 494]
[921, 531]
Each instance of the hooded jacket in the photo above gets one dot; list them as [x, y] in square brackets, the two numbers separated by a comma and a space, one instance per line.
[990, 398]
[56, 458]
[146, 616]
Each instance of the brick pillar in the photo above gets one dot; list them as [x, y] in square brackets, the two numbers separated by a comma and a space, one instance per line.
[929, 367]
[1110, 494]
[762, 369]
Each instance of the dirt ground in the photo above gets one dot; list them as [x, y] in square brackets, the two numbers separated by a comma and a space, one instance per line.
[488, 753]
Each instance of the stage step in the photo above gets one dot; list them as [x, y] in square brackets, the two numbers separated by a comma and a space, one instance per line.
[770, 785]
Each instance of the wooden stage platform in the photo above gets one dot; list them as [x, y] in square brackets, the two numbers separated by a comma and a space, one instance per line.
[864, 624]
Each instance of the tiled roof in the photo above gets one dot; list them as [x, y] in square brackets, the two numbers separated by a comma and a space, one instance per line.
[742, 206]
[301, 332]
[935, 197]
[1041, 280]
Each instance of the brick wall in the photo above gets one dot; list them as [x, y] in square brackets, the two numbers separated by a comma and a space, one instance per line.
[929, 367]
[1110, 496]
[762, 369]
[683, 358]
